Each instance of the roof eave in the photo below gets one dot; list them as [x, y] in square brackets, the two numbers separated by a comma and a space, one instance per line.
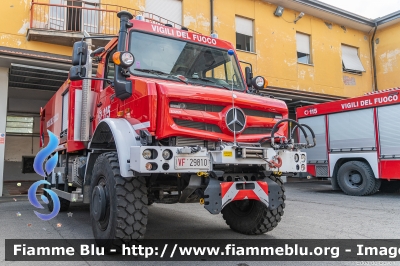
[337, 11]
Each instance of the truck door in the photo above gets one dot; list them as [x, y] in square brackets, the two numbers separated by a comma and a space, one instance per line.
[107, 100]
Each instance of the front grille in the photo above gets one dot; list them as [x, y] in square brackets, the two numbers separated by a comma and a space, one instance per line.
[197, 106]
[257, 130]
[182, 141]
[219, 108]
[250, 112]
[198, 125]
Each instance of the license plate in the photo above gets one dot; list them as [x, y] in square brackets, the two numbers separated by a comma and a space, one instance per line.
[192, 163]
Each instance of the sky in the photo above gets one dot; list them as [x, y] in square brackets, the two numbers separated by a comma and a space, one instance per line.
[367, 8]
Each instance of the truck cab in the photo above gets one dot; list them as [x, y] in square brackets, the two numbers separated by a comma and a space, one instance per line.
[169, 117]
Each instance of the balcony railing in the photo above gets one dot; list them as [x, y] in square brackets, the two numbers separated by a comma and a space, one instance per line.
[79, 16]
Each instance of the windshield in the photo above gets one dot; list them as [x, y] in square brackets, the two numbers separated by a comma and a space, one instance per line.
[158, 56]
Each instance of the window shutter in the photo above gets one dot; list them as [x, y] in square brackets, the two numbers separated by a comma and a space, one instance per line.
[244, 26]
[168, 9]
[350, 58]
[303, 43]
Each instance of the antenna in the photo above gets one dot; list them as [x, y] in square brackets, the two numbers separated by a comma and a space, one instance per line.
[231, 53]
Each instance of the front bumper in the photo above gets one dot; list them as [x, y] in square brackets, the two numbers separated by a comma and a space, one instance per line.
[195, 160]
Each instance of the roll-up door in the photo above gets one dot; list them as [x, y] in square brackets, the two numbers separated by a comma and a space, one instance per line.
[317, 124]
[389, 130]
[352, 130]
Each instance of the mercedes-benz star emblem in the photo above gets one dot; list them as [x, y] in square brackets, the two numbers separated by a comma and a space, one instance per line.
[235, 120]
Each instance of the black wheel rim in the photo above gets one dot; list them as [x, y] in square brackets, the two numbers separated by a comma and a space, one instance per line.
[99, 203]
[103, 219]
[353, 179]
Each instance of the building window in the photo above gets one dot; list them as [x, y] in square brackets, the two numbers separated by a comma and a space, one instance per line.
[244, 34]
[165, 11]
[72, 15]
[19, 124]
[303, 48]
[350, 60]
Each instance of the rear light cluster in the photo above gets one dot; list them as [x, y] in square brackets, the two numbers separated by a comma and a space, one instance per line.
[151, 154]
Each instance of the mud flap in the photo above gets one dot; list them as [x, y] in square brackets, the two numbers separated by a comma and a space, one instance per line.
[275, 194]
[219, 194]
[212, 197]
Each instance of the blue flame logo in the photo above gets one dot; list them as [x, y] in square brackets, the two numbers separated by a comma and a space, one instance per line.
[51, 163]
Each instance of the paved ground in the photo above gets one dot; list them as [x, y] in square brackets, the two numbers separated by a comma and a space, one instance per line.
[312, 210]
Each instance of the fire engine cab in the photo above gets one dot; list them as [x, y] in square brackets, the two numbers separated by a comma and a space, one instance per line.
[168, 117]
[358, 143]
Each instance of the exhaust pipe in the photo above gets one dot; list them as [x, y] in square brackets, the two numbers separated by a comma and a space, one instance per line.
[122, 87]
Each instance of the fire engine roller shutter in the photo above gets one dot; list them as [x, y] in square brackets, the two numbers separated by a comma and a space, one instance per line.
[317, 123]
[389, 130]
[352, 130]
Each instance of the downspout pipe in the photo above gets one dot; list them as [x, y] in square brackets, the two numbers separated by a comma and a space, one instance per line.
[212, 15]
[373, 57]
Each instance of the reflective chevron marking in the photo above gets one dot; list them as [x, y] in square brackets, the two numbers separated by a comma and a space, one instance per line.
[230, 192]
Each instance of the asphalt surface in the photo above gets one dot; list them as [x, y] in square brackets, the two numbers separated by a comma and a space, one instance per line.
[313, 211]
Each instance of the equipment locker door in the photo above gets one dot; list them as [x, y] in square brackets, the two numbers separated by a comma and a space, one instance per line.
[389, 144]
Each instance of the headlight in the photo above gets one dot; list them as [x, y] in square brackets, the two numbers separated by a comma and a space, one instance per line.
[124, 59]
[127, 58]
[303, 158]
[303, 167]
[296, 157]
[146, 154]
[259, 82]
[167, 154]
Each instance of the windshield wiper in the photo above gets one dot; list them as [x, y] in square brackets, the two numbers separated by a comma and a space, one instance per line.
[151, 71]
[214, 82]
[158, 73]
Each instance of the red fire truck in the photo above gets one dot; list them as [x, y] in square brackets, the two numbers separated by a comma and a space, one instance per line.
[168, 117]
[358, 143]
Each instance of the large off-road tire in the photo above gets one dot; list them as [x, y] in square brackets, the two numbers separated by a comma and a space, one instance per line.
[390, 186]
[356, 178]
[251, 217]
[118, 205]
[377, 186]
[64, 204]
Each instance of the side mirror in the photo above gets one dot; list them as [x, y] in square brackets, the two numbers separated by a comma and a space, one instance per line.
[249, 76]
[259, 82]
[79, 58]
[77, 72]
[79, 53]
